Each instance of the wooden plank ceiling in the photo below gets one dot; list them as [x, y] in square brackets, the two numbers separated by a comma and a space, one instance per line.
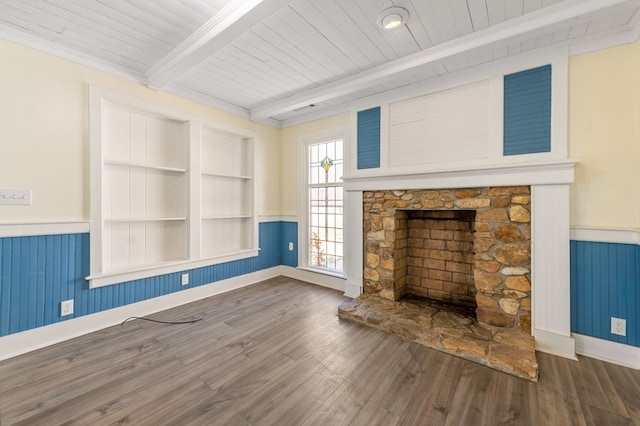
[270, 59]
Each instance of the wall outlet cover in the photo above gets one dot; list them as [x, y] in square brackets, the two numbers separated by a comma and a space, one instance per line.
[618, 326]
[185, 279]
[66, 308]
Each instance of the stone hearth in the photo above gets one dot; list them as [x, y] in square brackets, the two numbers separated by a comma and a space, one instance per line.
[453, 330]
[451, 246]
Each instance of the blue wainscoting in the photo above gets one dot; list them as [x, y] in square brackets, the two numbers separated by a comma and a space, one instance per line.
[605, 283]
[37, 273]
[289, 233]
[527, 111]
[369, 138]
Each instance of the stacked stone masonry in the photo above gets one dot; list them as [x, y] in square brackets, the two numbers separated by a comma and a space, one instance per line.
[500, 235]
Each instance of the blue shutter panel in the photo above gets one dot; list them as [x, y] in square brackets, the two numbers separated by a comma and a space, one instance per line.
[369, 138]
[527, 111]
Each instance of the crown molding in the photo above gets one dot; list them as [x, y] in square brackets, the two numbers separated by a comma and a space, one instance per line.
[601, 41]
[634, 23]
[316, 115]
[51, 48]
[204, 99]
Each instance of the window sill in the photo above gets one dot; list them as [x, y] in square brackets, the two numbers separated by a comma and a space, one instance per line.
[336, 274]
[148, 271]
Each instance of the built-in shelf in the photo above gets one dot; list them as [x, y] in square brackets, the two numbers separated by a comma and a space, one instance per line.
[169, 191]
[142, 219]
[144, 166]
[226, 176]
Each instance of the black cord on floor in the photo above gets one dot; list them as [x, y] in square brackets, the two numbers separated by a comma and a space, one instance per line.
[162, 322]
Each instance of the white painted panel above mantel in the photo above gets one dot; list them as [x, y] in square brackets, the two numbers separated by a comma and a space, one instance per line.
[443, 158]
[440, 127]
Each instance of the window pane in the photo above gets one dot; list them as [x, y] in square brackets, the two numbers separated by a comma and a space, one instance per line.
[325, 205]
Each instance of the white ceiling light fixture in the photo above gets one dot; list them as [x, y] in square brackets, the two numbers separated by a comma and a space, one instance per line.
[392, 18]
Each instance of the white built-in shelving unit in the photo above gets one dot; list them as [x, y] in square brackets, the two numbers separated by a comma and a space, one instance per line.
[144, 190]
[169, 192]
[227, 192]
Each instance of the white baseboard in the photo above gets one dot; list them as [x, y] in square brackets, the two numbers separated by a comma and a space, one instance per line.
[323, 280]
[30, 340]
[616, 353]
[555, 344]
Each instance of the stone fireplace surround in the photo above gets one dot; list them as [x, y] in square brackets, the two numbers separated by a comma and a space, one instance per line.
[501, 248]
[431, 243]
[549, 190]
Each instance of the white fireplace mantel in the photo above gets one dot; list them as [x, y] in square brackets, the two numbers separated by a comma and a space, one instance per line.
[549, 183]
[530, 173]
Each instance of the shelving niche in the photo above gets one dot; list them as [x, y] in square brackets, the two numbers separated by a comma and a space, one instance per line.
[226, 193]
[169, 191]
[144, 203]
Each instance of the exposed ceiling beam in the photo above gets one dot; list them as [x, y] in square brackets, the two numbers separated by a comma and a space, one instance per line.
[530, 23]
[229, 23]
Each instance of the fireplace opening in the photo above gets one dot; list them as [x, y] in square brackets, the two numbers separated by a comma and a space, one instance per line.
[439, 255]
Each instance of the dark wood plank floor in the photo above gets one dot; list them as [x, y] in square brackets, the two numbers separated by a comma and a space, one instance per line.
[276, 354]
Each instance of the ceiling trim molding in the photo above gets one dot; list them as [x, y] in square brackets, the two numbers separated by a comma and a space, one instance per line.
[549, 16]
[210, 101]
[316, 115]
[601, 41]
[54, 49]
[634, 23]
[230, 22]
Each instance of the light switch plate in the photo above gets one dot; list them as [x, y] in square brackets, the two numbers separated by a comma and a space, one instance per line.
[15, 197]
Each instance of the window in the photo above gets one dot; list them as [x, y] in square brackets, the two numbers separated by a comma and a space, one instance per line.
[169, 192]
[324, 206]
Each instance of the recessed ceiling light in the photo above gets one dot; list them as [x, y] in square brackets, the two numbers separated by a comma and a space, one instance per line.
[393, 17]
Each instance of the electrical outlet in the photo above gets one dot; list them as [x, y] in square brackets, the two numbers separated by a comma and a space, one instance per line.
[618, 326]
[66, 308]
[185, 279]
[290, 246]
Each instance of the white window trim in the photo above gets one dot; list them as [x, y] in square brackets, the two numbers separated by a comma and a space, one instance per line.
[99, 97]
[303, 202]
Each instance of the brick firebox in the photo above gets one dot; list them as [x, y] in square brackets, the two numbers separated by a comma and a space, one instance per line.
[440, 259]
[500, 222]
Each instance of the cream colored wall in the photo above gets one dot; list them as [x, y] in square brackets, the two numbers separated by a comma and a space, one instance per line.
[44, 137]
[44, 142]
[291, 138]
[604, 115]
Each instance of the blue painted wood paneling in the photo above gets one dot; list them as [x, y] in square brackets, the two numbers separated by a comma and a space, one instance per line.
[605, 283]
[527, 111]
[369, 138]
[37, 273]
[289, 234]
